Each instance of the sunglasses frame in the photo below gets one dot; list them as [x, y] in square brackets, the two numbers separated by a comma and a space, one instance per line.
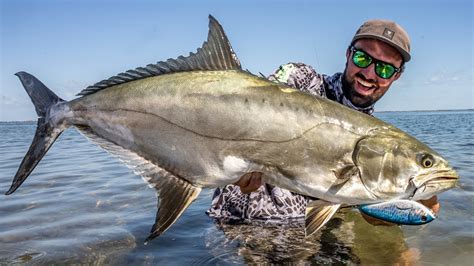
[353, 49]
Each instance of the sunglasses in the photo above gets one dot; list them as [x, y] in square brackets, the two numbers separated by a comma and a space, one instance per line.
[362, 59]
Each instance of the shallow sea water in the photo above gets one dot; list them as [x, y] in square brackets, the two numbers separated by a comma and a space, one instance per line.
[81, 205]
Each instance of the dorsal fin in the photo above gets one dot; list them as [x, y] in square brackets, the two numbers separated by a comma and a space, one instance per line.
[215, 54]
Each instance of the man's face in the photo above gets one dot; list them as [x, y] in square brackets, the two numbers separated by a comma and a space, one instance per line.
[361, 85]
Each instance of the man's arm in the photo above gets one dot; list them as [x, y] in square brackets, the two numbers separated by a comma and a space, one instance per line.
[300, 76]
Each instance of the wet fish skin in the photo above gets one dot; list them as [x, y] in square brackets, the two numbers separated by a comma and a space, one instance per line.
[201, 121]
[402, 212]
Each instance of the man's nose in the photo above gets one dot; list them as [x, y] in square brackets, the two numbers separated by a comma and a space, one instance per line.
[369, 73]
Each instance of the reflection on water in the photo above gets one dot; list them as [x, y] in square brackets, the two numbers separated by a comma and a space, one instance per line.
[279, 244]
[81, 205]
[346, 239]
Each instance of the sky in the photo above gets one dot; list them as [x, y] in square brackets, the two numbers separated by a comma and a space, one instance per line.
[70, 45]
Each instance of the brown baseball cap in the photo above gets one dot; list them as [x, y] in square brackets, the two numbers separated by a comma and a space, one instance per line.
[386, 31]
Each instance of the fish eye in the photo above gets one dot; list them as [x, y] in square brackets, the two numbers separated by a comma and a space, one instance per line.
[424, 218]
[427, 161]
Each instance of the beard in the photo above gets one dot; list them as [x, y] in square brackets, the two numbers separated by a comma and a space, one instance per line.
[357, 99]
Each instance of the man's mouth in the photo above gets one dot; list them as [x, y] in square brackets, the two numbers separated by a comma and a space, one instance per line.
[364, 87]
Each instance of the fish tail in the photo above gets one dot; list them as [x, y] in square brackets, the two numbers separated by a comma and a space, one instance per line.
[47, 131]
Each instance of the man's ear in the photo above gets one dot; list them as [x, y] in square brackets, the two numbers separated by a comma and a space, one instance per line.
[397, 75]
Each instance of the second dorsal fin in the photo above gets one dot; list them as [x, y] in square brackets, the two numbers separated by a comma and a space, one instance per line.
[215, 54]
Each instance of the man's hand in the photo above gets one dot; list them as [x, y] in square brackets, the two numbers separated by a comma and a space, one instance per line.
[431, 203]
[249, 182]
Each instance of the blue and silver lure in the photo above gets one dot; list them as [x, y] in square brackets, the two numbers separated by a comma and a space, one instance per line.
[406, 212]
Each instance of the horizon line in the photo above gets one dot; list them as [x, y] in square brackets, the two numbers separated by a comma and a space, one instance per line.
[437, 110]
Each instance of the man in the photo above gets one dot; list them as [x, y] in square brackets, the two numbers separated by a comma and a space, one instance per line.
[376, 58]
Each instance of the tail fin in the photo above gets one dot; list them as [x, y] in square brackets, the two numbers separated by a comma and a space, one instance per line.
[43, 99]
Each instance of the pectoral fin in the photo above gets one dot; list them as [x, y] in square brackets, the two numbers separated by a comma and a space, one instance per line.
[174, 196]
[343, 173]
[318, 213]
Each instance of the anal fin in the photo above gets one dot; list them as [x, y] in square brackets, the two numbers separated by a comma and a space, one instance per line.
[318, 213]
[174, 192]
[174, 196]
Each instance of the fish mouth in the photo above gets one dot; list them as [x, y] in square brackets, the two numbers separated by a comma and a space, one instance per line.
[442, 179]
[435, 183]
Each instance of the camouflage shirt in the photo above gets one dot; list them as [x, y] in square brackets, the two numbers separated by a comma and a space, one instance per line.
[304, 78]
[269, 203]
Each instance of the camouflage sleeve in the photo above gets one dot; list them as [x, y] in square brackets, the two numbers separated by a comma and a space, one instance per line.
[300, 76]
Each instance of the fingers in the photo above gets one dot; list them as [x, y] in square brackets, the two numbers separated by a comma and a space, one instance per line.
[255, 182]
[249, 182]
[244, 180]
[432, 203]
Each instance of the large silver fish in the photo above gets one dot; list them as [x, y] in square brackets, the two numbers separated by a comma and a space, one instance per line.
[200, 121]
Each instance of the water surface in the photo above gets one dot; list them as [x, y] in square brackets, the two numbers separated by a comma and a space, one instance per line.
[81, 205]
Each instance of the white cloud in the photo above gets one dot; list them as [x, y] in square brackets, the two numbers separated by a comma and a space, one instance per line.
[8, 100]
[443, 77]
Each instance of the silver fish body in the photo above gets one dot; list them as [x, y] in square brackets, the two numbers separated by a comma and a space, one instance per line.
[226, 124]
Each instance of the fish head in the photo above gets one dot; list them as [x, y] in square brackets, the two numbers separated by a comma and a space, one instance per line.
[393, 164]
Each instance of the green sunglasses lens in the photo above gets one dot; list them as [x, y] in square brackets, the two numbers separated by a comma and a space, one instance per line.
[361, 59]
[384, 70]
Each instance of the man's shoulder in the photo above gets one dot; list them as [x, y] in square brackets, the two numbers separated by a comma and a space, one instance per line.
[291, 70]
[300, 76]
